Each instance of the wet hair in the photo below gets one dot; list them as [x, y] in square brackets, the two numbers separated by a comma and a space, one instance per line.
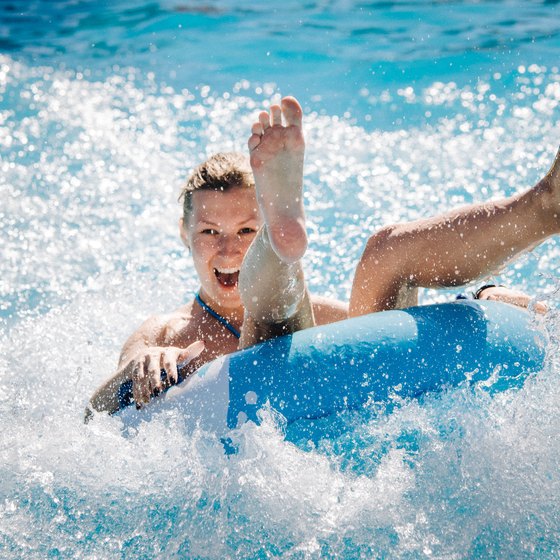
[220, 172]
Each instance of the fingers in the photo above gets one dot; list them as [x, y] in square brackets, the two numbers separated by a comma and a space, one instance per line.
[190, 353]
[174, 359]
[152, 369]
[146, 378]
[136, 386]
[140, 384]
[169, 364]
[146, 370]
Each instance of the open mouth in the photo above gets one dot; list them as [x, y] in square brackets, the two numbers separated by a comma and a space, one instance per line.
[227, 277]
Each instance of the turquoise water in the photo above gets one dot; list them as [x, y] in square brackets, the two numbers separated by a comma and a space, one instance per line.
[412, 107]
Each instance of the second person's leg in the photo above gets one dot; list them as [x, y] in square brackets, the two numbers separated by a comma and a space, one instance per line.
[454, 248]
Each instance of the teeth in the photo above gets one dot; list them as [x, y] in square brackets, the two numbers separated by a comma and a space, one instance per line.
[227, 270]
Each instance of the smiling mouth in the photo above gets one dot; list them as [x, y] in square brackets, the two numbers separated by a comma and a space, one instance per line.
[227, 277]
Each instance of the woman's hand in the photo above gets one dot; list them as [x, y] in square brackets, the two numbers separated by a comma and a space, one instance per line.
[146, 369]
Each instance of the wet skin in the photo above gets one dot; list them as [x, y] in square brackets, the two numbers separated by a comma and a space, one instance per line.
[218, 233]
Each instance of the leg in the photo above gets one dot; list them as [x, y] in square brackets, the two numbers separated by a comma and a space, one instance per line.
[276, 154]
[455, 248]
[271, 280]
[273, 292]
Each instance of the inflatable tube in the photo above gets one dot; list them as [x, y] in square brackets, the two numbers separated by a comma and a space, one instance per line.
[319, 371]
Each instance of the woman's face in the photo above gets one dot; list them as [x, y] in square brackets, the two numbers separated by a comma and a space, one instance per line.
[218, 231]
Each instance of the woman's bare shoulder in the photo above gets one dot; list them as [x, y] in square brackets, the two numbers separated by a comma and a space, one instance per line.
[177, 325]
[164, 328]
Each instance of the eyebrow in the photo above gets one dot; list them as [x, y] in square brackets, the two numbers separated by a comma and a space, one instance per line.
[210, 223]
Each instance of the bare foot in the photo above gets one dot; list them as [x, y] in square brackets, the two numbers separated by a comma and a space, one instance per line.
[276, 153]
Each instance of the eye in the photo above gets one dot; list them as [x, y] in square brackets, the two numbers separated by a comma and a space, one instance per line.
[246, 231]
[209, 231]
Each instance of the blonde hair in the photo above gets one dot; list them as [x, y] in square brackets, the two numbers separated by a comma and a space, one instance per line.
[220, 172]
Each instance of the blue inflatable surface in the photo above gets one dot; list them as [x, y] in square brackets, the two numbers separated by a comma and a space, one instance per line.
[319, 371]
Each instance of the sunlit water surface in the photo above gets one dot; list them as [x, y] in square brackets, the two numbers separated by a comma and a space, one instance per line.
[94, 145]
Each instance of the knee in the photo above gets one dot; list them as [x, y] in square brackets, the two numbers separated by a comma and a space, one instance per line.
[381, 244]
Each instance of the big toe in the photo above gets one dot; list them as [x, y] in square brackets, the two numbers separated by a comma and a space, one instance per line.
[292, 111]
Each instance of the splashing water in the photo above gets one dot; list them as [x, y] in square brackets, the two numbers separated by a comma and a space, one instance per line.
[91, 168]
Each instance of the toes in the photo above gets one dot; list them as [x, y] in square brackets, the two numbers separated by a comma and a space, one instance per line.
[257, 128]
[264, 120]
[256, 135]
[293, 113]
[276, 115]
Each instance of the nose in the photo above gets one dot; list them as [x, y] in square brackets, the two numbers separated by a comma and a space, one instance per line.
[229, 244]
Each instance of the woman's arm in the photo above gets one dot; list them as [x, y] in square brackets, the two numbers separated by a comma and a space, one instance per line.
[141, 361]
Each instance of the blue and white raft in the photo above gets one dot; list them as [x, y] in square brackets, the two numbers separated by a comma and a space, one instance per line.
[319, 371]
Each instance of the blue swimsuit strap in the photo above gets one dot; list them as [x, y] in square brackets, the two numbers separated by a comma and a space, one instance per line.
[217, 316]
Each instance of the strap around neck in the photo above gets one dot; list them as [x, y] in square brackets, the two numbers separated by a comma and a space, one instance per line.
[217, 316]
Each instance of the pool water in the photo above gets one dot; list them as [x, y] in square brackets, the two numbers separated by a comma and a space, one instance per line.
[412, 107]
